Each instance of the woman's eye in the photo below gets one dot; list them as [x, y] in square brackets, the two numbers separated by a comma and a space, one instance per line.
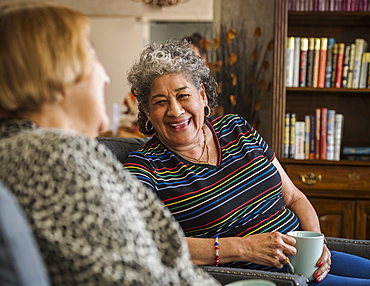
[159, 102]
[183, 96]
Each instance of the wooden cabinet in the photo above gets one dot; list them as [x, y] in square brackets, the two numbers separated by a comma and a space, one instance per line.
[340, 193]
[250, 29]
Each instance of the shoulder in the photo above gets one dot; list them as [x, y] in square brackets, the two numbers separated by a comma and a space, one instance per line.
[229, 122]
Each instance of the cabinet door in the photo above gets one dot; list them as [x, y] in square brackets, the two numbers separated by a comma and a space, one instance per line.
[363, 220]
[337, 217]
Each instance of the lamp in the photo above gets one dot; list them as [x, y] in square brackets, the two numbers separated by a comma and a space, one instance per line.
[161, 3]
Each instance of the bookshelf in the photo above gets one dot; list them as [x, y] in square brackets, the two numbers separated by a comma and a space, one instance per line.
[339, 190]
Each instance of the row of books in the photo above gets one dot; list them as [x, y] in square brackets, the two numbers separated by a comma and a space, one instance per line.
[322, 62]
[329, 5]
[318, 136]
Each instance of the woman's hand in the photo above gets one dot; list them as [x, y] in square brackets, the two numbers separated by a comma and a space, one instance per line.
[323, 264]
[270, 249]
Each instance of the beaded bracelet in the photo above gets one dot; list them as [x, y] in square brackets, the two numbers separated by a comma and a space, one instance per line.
[217, 251]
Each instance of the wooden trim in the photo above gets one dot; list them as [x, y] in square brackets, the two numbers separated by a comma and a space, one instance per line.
[278, 96]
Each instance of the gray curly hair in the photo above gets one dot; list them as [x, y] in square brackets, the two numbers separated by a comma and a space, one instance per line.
[173, 56]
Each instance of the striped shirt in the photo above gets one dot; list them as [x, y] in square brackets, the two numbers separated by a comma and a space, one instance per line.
[240, 196]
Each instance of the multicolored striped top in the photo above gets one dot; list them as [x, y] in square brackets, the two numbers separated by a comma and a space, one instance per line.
[240, 196]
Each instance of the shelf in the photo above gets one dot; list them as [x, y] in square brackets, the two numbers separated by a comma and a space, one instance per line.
[315, 18]
[328, 90]
[326, 162]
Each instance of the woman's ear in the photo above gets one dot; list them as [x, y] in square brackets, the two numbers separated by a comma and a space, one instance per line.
[203, 94]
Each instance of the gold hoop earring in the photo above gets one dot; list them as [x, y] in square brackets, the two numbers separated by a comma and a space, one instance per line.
[207, 111]
[146, 126]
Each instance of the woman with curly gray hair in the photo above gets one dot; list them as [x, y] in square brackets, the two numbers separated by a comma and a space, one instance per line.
[173, 57]
[217, 175]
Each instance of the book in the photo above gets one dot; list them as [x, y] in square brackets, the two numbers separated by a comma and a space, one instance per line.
[334, 65]
[312, 137]
[330, 128]
[316, 59]
[289, 62]
[322, 62]
[364, 70]
[338, 134]
[361, 46]
[347, 53]
[310, 59]
[297, 52]
[356, 150]
[317, 132]
[351, 65]
[307, 122]
[323, 135]
[339, 70]
[329, 61]
[286, 135]
[292, 135]
[299, 140]
[303, 62]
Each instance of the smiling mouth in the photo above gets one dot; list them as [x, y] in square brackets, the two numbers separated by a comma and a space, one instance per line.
[180, 125]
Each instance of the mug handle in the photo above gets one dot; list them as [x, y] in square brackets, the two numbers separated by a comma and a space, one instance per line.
[290, 268]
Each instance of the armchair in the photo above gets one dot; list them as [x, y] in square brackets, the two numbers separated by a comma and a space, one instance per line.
[122, 146]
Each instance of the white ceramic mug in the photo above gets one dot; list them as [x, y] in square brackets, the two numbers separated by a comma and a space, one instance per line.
[252, 282]
[309, 247]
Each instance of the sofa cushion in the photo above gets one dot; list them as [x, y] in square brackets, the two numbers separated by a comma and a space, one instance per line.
[121, 147]
[20, 260]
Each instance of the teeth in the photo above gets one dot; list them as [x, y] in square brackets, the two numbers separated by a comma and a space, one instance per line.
[179, 124]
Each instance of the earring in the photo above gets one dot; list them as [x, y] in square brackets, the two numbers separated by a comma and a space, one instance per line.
[146, 126]
[207, 111]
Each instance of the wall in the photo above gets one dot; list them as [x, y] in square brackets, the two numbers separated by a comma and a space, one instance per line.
[120, 29]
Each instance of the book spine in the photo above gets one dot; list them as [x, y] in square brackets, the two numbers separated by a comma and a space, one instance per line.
[286, 135]
[312, 136]
[351, 65]
[292, 135]
[347, 53]
[303, 62]
[322, 62]
[364, 70]
[310, 55]
[361, 46]
[299, 140]
[316, 60]
[330, 135]
[297, 50]
[324, 114]
[334, 65]
[338, 133]
[329, 61]
[307, 123]
[289, 62]
[317, 132]
[339, 71]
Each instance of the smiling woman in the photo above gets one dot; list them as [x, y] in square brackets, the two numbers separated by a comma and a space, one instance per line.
[217, 175]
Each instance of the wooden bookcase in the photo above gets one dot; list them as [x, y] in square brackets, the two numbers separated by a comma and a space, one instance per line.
[342, 195]
[340, 191]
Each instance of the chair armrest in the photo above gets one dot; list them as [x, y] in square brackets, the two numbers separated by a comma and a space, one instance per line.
[351, 246]
[227, 275]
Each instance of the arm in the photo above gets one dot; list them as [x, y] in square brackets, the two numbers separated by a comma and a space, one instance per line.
[298, 202]
[301, 206]
[265, 249]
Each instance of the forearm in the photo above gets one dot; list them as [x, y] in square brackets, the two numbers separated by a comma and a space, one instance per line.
[298, 202]
[306, 214]
[202, 250]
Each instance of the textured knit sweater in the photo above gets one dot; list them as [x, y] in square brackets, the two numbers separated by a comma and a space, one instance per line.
[94, 224]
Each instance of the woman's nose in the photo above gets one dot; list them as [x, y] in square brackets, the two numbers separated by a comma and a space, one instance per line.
[175, 109]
